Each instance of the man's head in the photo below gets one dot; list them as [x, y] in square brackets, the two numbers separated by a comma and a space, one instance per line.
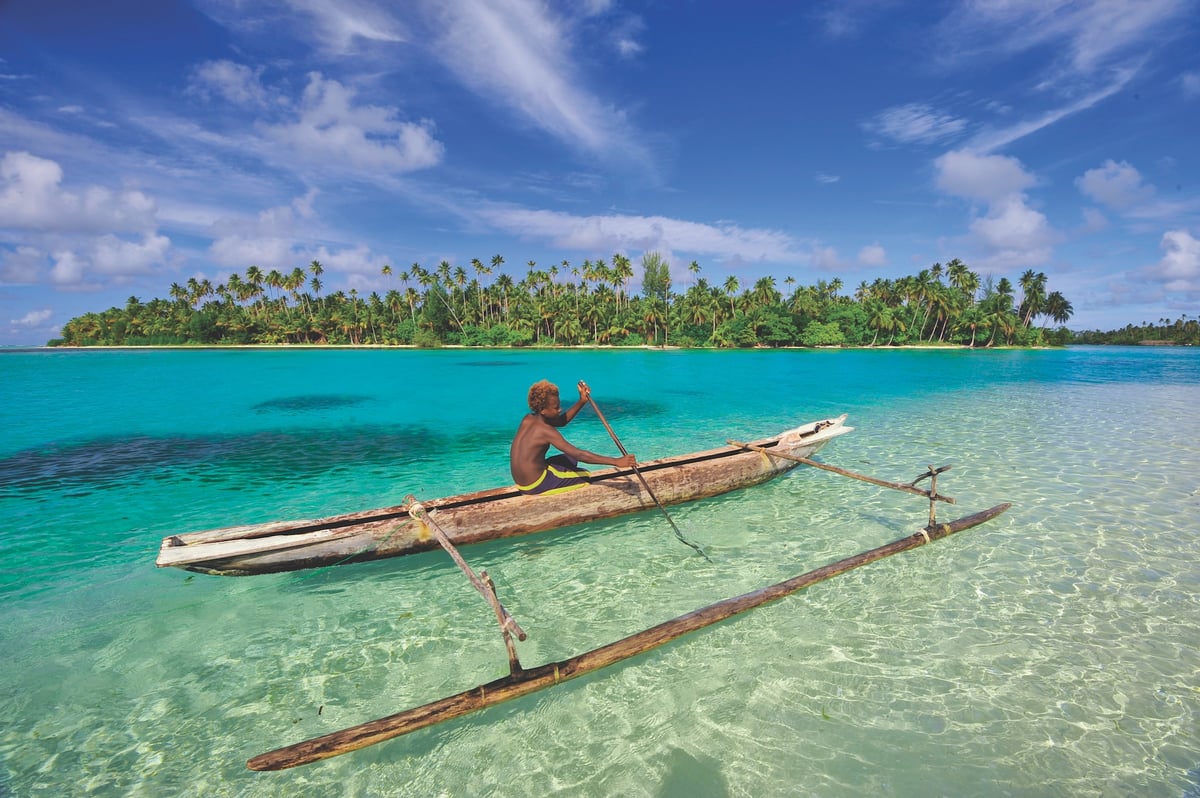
[543, 395]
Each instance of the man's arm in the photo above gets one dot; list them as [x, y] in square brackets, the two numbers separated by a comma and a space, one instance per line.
[556, 440]
[572, 411]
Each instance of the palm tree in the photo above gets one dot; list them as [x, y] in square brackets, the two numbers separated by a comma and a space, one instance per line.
[997, 311]
[622, 274]
[1033, 289]
[962, 278]
[1058, 308]
[879, 318]
[731, 289]
[764, 293]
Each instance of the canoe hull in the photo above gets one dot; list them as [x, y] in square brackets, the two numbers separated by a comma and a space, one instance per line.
[487, 515]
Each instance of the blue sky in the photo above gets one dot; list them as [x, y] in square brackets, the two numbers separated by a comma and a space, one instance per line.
[143, 142]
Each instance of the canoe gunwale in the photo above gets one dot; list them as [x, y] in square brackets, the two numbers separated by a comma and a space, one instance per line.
[348, 538]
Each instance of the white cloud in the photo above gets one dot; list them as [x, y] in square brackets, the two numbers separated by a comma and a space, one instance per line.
[915, 123]
[34, 318]
[1090, 33]
[624, 36]
[68, 269]
[22, 266]
[1116, 185]
[821, 177]
[516, 53]
[266, 240]
[1014, 233]
[335, 27]
[115, 257]
[981, 177]
[872, 255]
[1179, 269]
[1010, 233]
[236, 83]
[32, 198]
[343, 24]
[281, 220]
[238, 252]
[844, 18]
[104, 261]
[1092, 48]
[643, 233]
[332, 130]
[826, 259]
[993, 139]
[357, 261]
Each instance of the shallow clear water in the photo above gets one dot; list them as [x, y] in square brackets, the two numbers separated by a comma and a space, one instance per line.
[1049, 652]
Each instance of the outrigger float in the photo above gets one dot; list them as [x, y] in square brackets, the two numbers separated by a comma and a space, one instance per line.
[775, 455]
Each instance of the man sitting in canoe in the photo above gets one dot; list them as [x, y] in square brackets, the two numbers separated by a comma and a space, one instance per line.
[531, 469]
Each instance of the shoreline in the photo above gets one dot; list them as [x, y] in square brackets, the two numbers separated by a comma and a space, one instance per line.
[576, 347]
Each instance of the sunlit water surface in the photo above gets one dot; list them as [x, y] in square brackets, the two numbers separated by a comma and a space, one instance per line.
[1050, 652]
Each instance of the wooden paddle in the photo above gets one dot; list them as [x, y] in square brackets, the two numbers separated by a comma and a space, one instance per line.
[645, 484]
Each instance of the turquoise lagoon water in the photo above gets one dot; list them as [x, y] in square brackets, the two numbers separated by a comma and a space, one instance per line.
[1052, 652]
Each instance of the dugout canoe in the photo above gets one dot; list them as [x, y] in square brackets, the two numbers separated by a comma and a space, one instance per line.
[490, 514]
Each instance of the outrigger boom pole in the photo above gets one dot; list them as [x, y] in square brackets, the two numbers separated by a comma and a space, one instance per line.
[483, 583]
[522, 683]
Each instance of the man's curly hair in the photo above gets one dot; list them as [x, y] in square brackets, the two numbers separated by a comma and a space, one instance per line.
[542, 394]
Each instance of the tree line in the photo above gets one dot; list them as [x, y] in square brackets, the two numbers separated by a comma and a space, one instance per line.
[1181, 332]
[587, 304]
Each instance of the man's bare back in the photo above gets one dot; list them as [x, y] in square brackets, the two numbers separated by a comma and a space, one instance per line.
[538, 431]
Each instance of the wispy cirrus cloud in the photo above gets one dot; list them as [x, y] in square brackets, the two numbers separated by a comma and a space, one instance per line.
[1097, 47]
[335, 27]
[1089, 34]
[915, 123]
[518, 54]
[628, 232]
[992, 139]
[515, 54]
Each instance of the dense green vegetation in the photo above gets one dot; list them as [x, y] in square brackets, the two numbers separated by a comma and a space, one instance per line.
[589, 304]
[1181, 332]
